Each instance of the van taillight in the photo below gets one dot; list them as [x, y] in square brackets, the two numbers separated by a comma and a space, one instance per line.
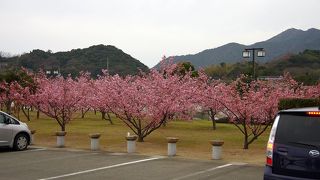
[270, 145]
[269, 161]
[269, 154]
[313, 113]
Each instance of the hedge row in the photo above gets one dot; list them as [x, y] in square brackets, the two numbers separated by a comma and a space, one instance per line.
[298, 103]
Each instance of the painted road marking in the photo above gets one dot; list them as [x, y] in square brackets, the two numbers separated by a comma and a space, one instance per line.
[204, 171]
[33, 150]
[101, 168]
[25, 151]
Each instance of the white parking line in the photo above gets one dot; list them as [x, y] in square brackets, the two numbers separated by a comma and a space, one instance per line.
[204, 171]
[101, 168]
[33, 150]
[26, 151]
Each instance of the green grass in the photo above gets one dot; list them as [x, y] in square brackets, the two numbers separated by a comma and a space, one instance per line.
[194, 137]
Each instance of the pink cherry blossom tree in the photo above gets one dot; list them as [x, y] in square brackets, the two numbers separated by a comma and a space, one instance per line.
[14, 84]
[312, 91]
[12, 96]
[85, 90]
[100, 99]
[253, 105]
[7, 91]
[58, 98]
[145, 102]
[21, 99]
[208, 98]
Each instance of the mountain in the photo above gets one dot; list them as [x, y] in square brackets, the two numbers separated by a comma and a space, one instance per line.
[291, 41]
[92, 59]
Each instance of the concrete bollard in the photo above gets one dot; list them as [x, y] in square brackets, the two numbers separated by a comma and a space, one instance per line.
[216, 149]
[94, 141]
[32, 136]
[60, 138]
[131, 143]
[172, 145]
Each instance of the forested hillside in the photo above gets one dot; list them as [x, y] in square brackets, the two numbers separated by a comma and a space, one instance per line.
[304, 67]
[92, 59]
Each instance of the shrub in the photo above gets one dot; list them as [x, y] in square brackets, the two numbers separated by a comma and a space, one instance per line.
[297, 103]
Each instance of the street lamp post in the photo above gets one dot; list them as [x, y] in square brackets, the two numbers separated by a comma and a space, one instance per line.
[247, 53]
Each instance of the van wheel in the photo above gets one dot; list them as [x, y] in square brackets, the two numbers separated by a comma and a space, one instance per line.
[20, 142]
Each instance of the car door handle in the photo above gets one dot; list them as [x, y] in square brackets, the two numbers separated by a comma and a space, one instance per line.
[283, 151]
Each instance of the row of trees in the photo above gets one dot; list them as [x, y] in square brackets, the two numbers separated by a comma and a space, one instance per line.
[146, 102]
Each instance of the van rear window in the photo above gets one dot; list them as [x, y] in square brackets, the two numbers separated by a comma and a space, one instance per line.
[298, 129]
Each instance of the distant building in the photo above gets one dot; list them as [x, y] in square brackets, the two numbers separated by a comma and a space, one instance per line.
[52, 72]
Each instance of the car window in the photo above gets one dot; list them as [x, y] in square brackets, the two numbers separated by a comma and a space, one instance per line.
[1, 118]
[298, 129]
[10, 120]
[13, 121]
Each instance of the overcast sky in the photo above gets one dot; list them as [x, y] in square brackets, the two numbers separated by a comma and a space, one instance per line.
[148, 29]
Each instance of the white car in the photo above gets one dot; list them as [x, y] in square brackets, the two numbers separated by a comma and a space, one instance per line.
[14, 133]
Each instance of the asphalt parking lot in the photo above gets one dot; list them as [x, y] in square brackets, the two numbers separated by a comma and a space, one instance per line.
[45, 164]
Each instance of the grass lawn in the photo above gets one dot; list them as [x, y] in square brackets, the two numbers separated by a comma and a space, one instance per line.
[194, 137]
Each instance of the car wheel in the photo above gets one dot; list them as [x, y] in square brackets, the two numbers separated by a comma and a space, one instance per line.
[20, 142]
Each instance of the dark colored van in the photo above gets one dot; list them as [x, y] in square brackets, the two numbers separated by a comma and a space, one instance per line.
[293, 150]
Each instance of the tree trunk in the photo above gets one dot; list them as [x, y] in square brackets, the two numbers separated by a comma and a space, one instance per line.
[245, 146]
[140, 139]
[109, 119]
[103, 116]
[63, 127]
[27, 114]
[211, 115]
[38, 114]
[8, 106]
[245, 143]
[82, 113]
[18, 112]
[214, 127]
[140, 135]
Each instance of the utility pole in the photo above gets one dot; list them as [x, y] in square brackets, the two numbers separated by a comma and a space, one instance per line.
[260, 53]
[108, 64]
